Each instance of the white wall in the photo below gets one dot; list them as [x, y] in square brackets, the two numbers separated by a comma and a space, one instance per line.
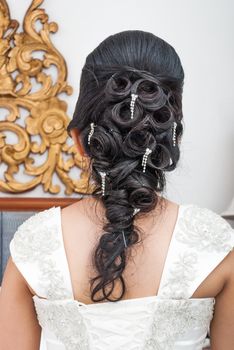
[202, 34]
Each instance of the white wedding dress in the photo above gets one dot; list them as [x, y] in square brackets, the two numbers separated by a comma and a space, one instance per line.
[169, 320]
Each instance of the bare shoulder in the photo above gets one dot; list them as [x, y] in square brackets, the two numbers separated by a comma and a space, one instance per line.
[17, 312]
[221, 328]
[228, 268]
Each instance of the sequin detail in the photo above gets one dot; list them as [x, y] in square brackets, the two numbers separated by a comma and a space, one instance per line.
[200, 231]
[173, 318]
[203, 229]
[180, 275]
[35, 241]
[65, 321]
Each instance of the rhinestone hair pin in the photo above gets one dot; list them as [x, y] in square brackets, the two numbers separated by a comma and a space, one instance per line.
[132, 103]
[136, 210]
[174, 133]
[92, 126]
[103, 176]
[144, 159]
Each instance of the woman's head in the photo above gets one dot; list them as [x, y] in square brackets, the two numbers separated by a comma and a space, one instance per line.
[129, 62]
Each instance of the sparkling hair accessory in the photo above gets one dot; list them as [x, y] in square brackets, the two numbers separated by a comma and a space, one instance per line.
[144, 159]
[174, 133]
[136, 210]
[103, 176]
[132, 103]
[92, 126]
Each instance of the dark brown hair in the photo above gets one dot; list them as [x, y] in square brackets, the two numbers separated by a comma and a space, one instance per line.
[128, 62]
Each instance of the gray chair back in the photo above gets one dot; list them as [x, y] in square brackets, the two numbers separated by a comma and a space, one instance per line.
[9, 222]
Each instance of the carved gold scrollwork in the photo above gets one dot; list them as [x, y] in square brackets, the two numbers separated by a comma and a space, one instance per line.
[20, 71]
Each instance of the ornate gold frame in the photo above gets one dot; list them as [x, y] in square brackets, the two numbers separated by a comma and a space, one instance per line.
[20, 71]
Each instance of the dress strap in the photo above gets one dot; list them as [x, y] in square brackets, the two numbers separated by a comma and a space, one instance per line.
[38, 252]
[201, 240]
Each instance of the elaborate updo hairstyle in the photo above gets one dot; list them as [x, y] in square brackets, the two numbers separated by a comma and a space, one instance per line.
[138, 62]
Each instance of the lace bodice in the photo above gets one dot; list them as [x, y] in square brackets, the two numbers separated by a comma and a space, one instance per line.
[169, 320]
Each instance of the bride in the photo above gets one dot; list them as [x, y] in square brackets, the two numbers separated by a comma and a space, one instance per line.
[123, 268]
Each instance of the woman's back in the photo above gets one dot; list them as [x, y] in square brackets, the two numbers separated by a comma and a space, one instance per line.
[172, 314]
[81, 228]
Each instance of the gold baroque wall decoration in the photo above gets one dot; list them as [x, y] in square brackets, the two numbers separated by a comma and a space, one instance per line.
[20, 70]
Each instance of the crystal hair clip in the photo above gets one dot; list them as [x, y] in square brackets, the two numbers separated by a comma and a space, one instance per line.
[103, 176]
[92, 126]
[144, 159]
[136, 210]
[174, 133]
[132, 104]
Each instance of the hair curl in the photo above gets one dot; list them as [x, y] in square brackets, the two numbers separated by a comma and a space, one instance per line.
[124, 63]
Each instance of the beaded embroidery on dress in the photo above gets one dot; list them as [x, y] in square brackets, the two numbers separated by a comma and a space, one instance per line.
[171, 320]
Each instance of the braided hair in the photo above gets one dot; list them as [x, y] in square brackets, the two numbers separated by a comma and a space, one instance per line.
[129, 62]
